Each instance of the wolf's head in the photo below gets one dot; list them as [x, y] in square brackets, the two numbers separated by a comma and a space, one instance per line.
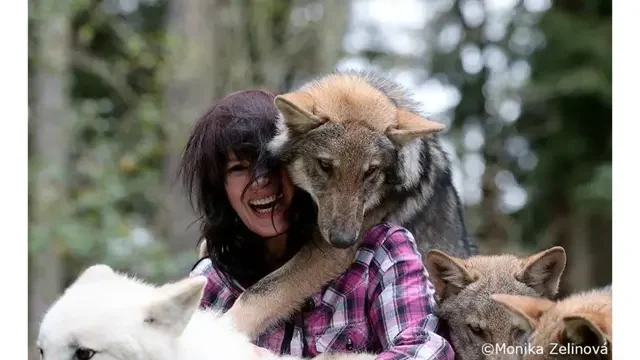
[464, 288]
[577, 327]
[104, 315]
[341, 138]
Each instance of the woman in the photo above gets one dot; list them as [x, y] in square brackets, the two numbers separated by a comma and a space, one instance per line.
[254, 220]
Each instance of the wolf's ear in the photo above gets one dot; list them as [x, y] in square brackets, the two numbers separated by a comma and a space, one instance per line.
[95, 273]
[579, 330]
[447, 274]
[542, 271]
[410, 126]
[297, 111]
[174, 304]
[525, 310]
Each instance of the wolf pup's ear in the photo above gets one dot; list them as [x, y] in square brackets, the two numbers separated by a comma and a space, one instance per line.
[95, 273]
[579, 330]
[297, 110]
[542, 271]
[525, 310]
[174, 304]
[410, 126]
[448, 274]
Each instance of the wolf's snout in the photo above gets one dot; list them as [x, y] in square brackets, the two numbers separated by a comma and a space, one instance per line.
[342, 239]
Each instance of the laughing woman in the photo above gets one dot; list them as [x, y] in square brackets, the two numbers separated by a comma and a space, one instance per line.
[254, 220]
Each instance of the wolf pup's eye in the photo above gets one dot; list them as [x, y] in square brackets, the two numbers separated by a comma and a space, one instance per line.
[324, 164]
[475, 329]
[518, 334]
[84, 354]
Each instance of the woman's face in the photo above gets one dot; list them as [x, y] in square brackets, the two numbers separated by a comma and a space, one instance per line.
[255, 209]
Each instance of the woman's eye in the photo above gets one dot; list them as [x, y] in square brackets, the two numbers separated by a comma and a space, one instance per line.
[238, 167]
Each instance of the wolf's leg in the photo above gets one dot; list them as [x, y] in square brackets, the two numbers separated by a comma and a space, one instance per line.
[283, 291]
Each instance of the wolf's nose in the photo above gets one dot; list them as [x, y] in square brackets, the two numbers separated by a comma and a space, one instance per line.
[342, 239]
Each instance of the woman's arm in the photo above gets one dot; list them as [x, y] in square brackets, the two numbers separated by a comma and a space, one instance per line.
[401, 299]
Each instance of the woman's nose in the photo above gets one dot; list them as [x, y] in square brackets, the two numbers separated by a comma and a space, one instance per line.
[261, 182]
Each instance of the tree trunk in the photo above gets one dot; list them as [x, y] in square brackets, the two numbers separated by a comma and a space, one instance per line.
[562, 233]
[51, 115]
[494, 229]
[190, 89]
[600, 240]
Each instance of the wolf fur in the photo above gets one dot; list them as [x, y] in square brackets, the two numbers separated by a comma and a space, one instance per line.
[358, 145]
[463, 289]
[576, 327]
[105, 315]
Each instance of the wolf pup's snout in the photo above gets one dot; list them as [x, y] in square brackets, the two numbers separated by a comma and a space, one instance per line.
[343, 239]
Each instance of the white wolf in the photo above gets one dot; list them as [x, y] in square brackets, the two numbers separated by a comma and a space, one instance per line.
[106, 315]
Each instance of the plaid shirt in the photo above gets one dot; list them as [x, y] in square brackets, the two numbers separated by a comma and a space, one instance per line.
[382, 304]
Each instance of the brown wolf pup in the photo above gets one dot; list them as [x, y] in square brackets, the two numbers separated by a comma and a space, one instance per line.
[359, 146]
[463, 291]
[577, 327]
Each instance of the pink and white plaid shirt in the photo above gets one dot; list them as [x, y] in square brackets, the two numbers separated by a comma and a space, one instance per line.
[382, 304]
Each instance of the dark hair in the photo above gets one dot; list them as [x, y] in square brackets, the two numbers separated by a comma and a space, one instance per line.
[241, 123]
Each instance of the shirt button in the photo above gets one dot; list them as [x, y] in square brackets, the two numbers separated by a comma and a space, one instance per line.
[349, 344]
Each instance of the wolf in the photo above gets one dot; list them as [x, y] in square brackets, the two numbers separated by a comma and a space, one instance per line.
[576, 327]
[357, 143]
[463, 289]
[106, 315]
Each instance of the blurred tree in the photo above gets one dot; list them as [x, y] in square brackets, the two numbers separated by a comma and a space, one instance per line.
[465, 62]
[49, 125]
[567, 118]
[190, 88]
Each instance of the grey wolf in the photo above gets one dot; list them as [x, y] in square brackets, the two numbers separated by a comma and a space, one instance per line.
[105, 315]
[576, 327]
[463, 289]
[357, 143]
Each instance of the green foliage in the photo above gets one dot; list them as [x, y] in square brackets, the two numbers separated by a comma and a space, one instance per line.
[117, 148]
[567, 111]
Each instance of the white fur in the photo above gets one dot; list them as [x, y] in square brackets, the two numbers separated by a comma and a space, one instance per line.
[105, 311]
[280, 138]
[411, 171]
[411, 205]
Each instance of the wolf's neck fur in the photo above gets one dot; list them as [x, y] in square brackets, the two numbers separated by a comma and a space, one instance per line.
[222, 342]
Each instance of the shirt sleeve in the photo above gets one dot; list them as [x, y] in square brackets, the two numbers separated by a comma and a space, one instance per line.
[402, 302]
[202, 267]
[217, 293]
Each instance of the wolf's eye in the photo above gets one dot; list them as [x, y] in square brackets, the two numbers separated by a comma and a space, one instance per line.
[476, 329]
[84, 354]
[370, 171]
[518, 334]
[324, 164]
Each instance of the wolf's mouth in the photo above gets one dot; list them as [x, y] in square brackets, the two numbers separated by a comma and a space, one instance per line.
[265, 204]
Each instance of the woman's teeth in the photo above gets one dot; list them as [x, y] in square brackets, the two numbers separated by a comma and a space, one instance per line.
[265, 204]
